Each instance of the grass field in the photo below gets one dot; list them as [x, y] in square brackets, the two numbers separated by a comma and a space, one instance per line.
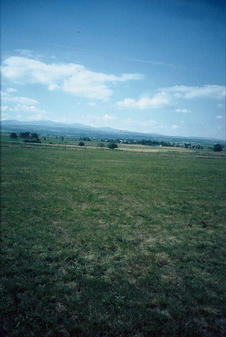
[101, 243]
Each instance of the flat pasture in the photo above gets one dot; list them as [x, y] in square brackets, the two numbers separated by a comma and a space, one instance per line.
[146, 148]
[98, 242]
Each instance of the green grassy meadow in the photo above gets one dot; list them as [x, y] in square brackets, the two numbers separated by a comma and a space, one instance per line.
[101, 243]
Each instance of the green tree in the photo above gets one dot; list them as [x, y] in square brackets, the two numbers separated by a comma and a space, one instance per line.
[112, 146]
[81, 143]
[24, 134]
[13, 135]
[217, 148]
[34, 135]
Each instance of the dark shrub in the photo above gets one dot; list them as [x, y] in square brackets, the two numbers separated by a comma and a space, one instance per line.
[217, 148]
[32, 141]
[81, 143]
[112, 146]
[13, 135]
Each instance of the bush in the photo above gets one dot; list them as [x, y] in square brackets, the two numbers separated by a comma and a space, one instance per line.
[87, 139]
[32, 140]
[34, 135]
[101, 145]
[24, 134]
[217, 148]
[112, 146]
[13, 135]
[81, 143]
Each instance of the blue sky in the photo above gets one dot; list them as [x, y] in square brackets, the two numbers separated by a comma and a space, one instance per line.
[155, 66]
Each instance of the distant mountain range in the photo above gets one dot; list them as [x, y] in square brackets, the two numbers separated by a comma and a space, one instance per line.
[47, 127]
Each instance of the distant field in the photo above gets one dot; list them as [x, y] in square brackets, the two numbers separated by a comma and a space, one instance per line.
[101, 243]
[93, 144]
[147, 148]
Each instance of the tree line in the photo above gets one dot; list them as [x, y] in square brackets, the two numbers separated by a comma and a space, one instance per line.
[31, 137]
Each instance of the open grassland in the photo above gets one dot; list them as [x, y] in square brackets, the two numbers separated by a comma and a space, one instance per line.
[148, 148]
[72, 143]
[112, 243]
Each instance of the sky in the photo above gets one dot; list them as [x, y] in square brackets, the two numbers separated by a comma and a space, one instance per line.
[154, 66]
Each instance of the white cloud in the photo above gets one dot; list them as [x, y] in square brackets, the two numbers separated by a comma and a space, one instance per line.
[148, 125]
[159, 100]
[219, 117]
[29, 107]
[98, 120]
[183, 110]
[170, 95]
[189, 92]
[69, 77]
[92, 104]
[155, 63]
[53, 87]
[37, 116]
[11, 90]
[5, 108]
[23, 108]
[108, 117]
[127, 103]
[174, 126]
[18, 100]
[25, 52]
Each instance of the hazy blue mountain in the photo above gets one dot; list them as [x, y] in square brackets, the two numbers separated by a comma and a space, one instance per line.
[47, 127]
[64, 129]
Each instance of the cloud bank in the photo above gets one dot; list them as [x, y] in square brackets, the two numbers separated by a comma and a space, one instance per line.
[18, 105]
[189, 92]
[159, 100]
[68, 77]
[168, 96]
[184, 110]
